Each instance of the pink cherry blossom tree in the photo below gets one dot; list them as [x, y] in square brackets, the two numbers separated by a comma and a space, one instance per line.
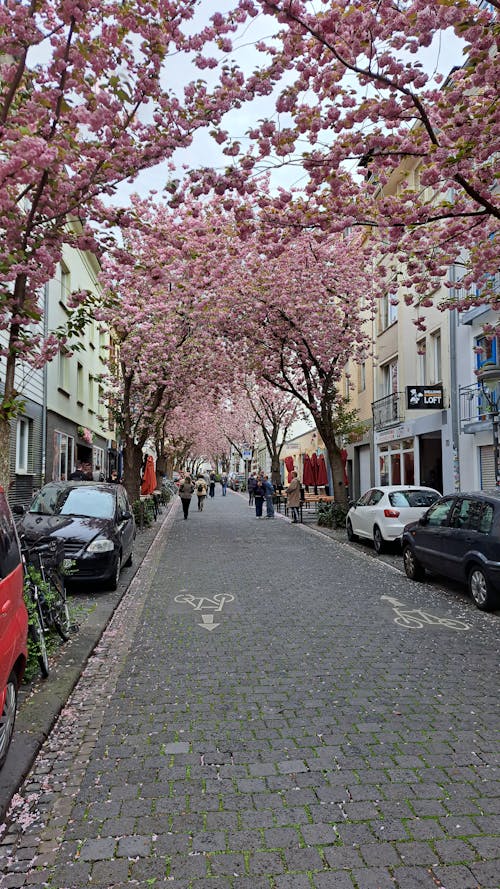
[358, 97]
[88, 97]
[302, 315]
[274, 411]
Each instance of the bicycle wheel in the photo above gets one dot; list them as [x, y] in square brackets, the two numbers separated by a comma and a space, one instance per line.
[38, 636]
[60, 618]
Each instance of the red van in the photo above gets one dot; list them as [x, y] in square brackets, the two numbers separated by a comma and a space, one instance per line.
[13, 625]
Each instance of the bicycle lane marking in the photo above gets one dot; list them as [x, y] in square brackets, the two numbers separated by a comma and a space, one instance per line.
[205, 606]
[417, 618]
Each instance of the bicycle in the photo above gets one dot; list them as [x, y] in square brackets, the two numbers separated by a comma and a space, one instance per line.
[47, 592]
[36, 626]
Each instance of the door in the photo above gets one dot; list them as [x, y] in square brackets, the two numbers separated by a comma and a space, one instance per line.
[431, 537]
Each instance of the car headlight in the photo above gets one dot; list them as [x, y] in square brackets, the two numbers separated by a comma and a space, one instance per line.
[101, 545]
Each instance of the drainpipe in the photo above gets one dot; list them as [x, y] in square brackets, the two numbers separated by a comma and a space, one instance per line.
[454, 404]
[44, 389]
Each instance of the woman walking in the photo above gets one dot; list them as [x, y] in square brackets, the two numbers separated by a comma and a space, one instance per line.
[201, 491]
[186, 491]
[293, 497]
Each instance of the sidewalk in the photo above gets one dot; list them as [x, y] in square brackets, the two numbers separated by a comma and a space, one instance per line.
[41, 701]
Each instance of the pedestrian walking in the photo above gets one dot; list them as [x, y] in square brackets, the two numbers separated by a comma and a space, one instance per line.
[211, 489]
[223, 482]
[259, 497]
[252, 482]
[269, 492]
[293, 497]
[186, 491]
[201, 492]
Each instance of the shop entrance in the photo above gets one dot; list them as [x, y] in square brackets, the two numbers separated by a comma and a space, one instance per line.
[431, 463]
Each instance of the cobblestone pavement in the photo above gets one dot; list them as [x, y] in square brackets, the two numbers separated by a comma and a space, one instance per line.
[270, 708]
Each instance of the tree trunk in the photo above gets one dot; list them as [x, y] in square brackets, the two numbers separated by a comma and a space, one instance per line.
[132, 462]
[340, 491]
[5, 454]
[275, 470]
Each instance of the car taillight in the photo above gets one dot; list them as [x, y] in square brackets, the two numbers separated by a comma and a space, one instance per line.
[391, 513]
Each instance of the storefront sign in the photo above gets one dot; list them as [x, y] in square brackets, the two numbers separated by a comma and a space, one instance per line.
[404, 430]
[424, 398]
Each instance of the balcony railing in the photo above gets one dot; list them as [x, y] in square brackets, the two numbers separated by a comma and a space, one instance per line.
[388, 411]
[475, 407]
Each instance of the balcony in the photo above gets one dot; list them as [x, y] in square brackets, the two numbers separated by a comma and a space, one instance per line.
[388, 411]
[476, 408]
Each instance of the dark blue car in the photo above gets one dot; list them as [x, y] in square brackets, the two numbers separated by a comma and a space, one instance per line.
[459, 537]
[93, 520]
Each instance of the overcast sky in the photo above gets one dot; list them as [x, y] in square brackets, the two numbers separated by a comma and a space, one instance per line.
[440, 57]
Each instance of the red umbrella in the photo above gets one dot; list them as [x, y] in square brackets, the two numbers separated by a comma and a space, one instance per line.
[322, 473]
[314, 467]
[149, 478]
[290, 467]
[307, 478]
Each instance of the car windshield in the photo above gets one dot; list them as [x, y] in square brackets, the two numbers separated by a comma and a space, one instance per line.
[413, 498]
[89, 502]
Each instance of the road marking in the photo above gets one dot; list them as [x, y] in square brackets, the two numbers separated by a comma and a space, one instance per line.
[417, 618]
[207, 604]
[204, 603]
[208, 622]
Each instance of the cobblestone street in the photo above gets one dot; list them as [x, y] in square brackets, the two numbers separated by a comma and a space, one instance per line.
[270, 708]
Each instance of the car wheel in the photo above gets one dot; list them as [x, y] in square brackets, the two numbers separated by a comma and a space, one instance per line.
[350, 533]
[378, 540]
[480, 589]
[8, 717]
[413, 568]
[115, 577]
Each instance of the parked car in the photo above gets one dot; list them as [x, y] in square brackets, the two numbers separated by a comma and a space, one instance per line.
[459, 537]
[236, 480]
[13, 625]
[95, 522]
[381, 513]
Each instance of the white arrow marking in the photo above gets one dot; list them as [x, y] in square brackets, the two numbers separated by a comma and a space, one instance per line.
[393, 601]
[208, 622]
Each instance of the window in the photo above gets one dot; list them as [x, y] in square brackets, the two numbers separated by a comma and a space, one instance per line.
[63, 371]
[80, 393]
[388, 311]
[438, 514]
[23, 438]
[389, 378]
[9, 548]
[362, 377]
[421, 363]
[98, 459]
[63, 462]
[396, 463]
[65, 288]
[91, 404]
[436, 358]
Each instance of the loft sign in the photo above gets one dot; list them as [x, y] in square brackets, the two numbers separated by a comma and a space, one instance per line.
[422, 398]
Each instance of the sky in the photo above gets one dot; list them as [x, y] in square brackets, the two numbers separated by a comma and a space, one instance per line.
[204, 152]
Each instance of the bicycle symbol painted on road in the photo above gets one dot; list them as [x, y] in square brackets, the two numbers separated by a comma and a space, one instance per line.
[417, 618]
[204, 603]
[207, 605]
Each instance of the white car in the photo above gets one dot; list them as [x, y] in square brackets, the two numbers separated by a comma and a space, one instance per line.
[381, 514]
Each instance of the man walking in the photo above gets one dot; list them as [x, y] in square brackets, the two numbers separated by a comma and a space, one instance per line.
[252, 484]
[269, 491]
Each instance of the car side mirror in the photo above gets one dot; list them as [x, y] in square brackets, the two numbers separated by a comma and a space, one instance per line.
[126, 515]
[423, 520]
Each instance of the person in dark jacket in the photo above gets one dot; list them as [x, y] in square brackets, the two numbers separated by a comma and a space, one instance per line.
[211, 489]
[186, 491]
[252, 482]
[259, 497]
[269, 492]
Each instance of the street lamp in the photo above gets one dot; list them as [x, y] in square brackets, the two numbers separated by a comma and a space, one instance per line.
[489, 379]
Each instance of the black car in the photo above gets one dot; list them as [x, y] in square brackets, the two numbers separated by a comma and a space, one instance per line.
[95, 522]
[459, 537]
